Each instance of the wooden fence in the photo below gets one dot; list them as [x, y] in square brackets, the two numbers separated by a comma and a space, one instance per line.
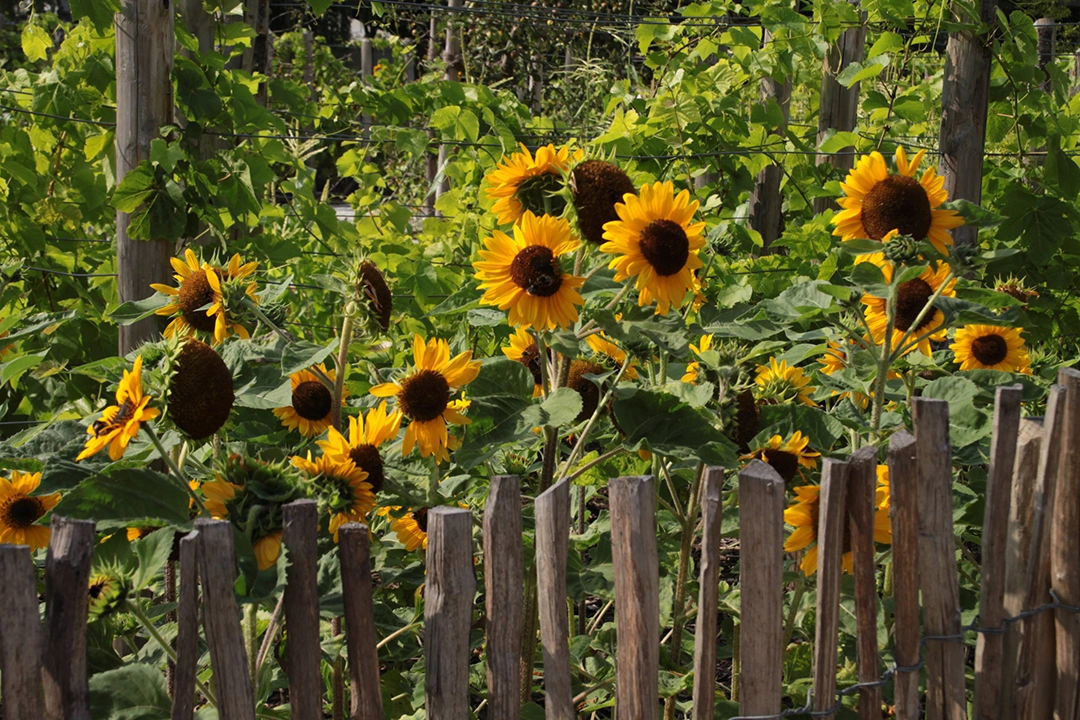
[1027, 632]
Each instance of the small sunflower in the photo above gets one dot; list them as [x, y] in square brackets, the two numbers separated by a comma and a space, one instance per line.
[138, 533]
[267, 549]
[991, 347]
[312, 408]
[523, 348]
[911, 297]
[107, 591]
[342, 484]
[201, 286]
[216, 496]
[522, 273]
[656, 241]
[596, 187]
[786, 456]
[603, 345]
[120, 423]
[524, 182]
[424, 395]
[693, 369]
[1011, 286]
[20, 511]
[362, 445]
[803, 516]
[877, 202]
[411, 529]
[778, 382]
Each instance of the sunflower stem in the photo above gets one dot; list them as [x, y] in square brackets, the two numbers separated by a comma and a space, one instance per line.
[689, 525]
[584, 331]
[600, 406]
[176, 471]
[251, 636]
[342, 358]
[901, 348]
[796, 603]
[433, 483]
[151, 630]
[289, 338]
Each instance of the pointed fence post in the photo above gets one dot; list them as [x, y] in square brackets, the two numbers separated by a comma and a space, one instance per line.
[20, 635]
[904, 514]
[832, 517]
[862, 484]
[67, 602]
[712, 510]
[1064, 558]
[504, 576]
[552, 509]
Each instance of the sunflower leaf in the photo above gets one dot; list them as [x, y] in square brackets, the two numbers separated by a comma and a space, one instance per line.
[136, 310]
[132, 692]
[560, 408]
[152, 552]
[128, 497]
[302, 355]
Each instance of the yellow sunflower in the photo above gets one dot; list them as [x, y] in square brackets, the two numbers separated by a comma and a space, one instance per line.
[345, 485]
[991, 347]
[524, 182]
[603, 345]
[424, 395]
[20, 511]
[694, 368]
[802, 514]
[656, 241]
[411, 529]
[200, 286]
[362, 445]
[267, 549]
[522, 273]
[120, 423]
[882, 498]
[523, 348]
[911, 297]
[778, 382]
[877, 202]
[138, 533]
[312, 408]
[216, 495]
[786, 456]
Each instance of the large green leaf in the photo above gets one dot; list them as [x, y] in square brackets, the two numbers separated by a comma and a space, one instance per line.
[501, 393]
[132, 692]
[560, 408]
[127, 497]
[668, 426]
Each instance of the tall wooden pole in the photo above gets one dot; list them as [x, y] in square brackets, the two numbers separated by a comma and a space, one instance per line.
[765, 198]
[144, 102]
[452, 58]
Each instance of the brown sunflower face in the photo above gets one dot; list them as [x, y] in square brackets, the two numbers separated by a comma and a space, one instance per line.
[530, 358]
[785, 464]
[195, 292]
[312, 400]
[665, 245]
[899, 203]
[420, 516]
[123, 415]
[990, 349]
[367, 458]
[911, 298]
[537, 194]
[424, 395]
[589, 392]
[377, 293]
[21, 511]
[597, 186]
[747, 420]
[201, 391]
[536, 271]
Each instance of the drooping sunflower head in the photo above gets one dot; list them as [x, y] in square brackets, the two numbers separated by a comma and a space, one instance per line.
[312, 408]
[607, 352]
[524, 182]
[583, 386]
[207, 298]
[596, 186]
[523, 273]
[778, 383]
[200, 393]
[786, 456]
[656, 241]
[802, 514]
[747, 420]
[119, 423]
[877, 202]
[411, 529]
[912, 297]
[991, 347]
[107, 590]
[20, 510]
[371, 288]
[362, 445]
[342, 488]
[523, 348]
[1015, 288]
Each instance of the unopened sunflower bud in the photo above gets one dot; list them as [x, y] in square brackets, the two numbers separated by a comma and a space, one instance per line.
[902, 250]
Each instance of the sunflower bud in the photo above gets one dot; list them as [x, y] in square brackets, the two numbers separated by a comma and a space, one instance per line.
[902, 250]
[107, 591]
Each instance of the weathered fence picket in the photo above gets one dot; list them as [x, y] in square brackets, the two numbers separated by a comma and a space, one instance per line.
[504, 575]
[67, 603]
[20, 635]
[862, 485]
[832, 520]
[708, 595]
[552, 510]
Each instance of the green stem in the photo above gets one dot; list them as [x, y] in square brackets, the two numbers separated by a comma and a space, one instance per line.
[689, 525]
[289, 338]
[796, 602]
[152, 631]
[736, 661]
[252, 640]
[342, 358]
[600, 407]
[433, 484]
[884, 363]
[174, 469]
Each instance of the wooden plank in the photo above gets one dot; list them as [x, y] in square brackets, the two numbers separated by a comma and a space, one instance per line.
[1064, 558]
[448, 603]
[990, 648]
[199, 23]
[862, 484]
[67, 602]
[552, 509]
[637, 596]
[300, 528]
[1018, 549]
[504, 576]
[761, 573]
[221, 620]
[187, 630]
[354, 549]
[832, 517]
[20, 635]
[765, 200]
[945, 685]
[904, 514]
[712, 509]
[1046, 32]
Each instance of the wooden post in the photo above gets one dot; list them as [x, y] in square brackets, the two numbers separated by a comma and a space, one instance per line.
[20, 635]
[452, 59]
[904, 513]
[199, 23]
[1064, 559]
[1046, 30]
[945, 685]
[1075, 74]
[187, 630]
[354, 549]
[298, 535]
[259, 57]
[964, 105]
[637, 597]
[144, 102]
[448, 612]
[839, 106]
[832, 517]
[552, 509]
[221, 620]
[989, 650]
[712, 509]
[431, 169]
[67, 602]
[761, 496]
[504, 576]
[765, 199]
[862, 484]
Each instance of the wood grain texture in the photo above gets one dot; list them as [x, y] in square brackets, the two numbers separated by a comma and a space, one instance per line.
[552, 509]
[504, 576]
[832, 517]
[187, 630]
[761, 545]
[766, 201]
[67, 576]
[637, 596]
[20, 635]
[946, 697]
[361, 640]
[1064, 558]
[300, 528]
[904, 513]
[990, 648]
[712, 510]
[448, 602]
[862, 486]
[221, 620]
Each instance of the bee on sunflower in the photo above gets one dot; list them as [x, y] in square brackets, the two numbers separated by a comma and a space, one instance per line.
[912, 297]
[991, 347]
[218, 290]
[312, 408]
[343, 486]
[362, 445]
[786, 456]
[778, 382]
[524, 182]
[20, 511]
[119, 423]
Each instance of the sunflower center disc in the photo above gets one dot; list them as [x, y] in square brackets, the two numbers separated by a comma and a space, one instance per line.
[587, 389]
[195, 292]
[424, 395]
[536, 271]
[312, 400]
[747, 420]
[911, 298]
[23, 512]
[784, 463]
[98, 589]
[990, 349]
[531, 193]
[597, 186]
[899, 203]
[420, 516]
[665, 245]
[367, 458]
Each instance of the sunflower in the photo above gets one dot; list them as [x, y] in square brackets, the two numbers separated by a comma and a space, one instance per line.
[911, 297]
[20, 511]
[138, 533]
[523, 348]
[803, 516]
[655, 241]
[524, 182]
[106, 592]
[694, 368]
[200, 390]
[876, 202]
[991, 347]
[785, 456]
[522, 273]
[362, 445]
[602, 345]
[882, 502]
[586, 388]
[200, 286]
[411, 529]
[596, 186]
[312, 407]
[423, 395]
[216, 496]
[120, 423]
[345, 486]
[779, 382]
[372, 289]
[267, 549]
